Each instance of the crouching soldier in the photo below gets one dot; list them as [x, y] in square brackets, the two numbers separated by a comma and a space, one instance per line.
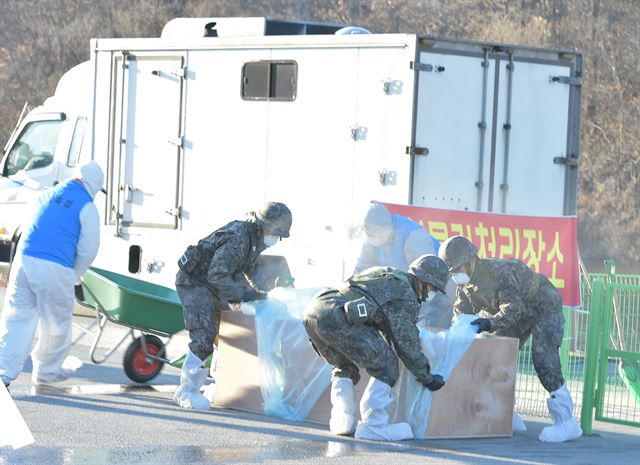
[365, 323]
[512, 300]
[213, 274]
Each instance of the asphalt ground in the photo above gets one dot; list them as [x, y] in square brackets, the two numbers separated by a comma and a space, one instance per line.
[101, 417]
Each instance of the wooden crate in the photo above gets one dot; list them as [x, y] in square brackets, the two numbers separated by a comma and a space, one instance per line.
[477, 400]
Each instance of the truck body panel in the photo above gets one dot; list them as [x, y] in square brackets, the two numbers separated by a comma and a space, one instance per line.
[195, 132]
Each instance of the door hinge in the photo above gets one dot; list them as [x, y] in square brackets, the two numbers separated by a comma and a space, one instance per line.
[416, 150]
[177, 212]
[391, 87]
[178, 141]
[179, 73]
[426, 67]
[571, 160]
[572, 81]
[128, 191]
[359, 133]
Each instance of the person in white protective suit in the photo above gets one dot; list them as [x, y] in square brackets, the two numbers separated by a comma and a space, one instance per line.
[396, 241]
[59, 243]
[370, 322]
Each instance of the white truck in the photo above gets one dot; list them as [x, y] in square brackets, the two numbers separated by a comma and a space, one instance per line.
[218, 115]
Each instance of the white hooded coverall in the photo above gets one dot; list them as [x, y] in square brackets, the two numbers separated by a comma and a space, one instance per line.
[59, 243]
[395, 240]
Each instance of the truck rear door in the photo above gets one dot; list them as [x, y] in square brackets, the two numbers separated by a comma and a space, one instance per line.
[452, 156]
[526, 177]
[146, 121]
[498, 129]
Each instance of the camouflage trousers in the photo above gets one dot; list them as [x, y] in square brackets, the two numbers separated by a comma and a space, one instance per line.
[546, 333]
[346, 347]
[201, 312]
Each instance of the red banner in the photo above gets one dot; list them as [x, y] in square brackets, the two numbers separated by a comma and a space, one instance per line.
[547, 245]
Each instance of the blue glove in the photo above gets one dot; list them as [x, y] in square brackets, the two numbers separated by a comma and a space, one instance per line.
[252, 294]
[483, 324]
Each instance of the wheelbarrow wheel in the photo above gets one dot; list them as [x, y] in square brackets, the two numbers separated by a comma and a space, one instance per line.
[137, 366]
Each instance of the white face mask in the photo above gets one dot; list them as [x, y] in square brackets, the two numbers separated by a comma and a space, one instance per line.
[377, 236]
[431, 295]
[460, 278]
[270, 240]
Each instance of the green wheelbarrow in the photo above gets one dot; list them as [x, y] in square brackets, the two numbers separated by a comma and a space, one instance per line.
[147, 309]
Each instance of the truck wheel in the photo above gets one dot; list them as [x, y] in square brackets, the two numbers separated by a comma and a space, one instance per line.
[137, 366]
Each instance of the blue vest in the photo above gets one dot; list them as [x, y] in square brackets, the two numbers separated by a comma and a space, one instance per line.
[54, 229]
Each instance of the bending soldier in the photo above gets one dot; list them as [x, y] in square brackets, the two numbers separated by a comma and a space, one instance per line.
[512, 300]
[361, 324]
[213, 274]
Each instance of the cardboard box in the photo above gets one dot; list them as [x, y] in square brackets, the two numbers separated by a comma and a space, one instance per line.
[477, 400]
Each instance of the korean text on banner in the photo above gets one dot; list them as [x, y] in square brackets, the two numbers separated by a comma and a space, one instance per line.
[547, 245]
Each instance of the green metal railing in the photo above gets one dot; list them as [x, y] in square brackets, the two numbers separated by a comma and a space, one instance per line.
[600, 354]
[612, 381]
[531, 397]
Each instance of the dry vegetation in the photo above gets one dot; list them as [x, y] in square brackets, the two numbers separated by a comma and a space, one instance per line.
[41, 39]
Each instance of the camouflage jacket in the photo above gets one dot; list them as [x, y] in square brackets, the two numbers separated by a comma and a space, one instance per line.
[396, 294]
[228, 260]
[507, 292]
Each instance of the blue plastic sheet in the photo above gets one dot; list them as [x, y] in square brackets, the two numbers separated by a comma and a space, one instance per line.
[293, 376]
[444, 350]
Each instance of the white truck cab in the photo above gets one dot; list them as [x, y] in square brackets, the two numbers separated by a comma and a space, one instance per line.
[43, 150]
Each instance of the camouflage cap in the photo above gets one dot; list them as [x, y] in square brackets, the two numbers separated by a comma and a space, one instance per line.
[431, 270]
[275, 219]
[456, 251]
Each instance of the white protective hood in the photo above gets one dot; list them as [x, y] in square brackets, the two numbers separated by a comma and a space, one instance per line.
[91, 176]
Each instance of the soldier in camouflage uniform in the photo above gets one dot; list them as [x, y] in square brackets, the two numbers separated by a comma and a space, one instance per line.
[512, 300]
[213, 274]
[361, 324]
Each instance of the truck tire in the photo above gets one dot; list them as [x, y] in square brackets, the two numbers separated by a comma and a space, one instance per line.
[137, 366]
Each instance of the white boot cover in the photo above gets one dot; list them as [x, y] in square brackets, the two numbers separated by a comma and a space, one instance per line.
[565, 427]
[192, 377]
[69, 367]
[343, 407]
[518, 423]
[209, 391]
[375, 419]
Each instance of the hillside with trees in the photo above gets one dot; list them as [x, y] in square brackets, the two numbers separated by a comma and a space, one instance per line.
[41, 39]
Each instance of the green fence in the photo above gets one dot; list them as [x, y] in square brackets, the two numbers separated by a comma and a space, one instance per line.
[612, 382]
[531, 397]
[598, 367]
